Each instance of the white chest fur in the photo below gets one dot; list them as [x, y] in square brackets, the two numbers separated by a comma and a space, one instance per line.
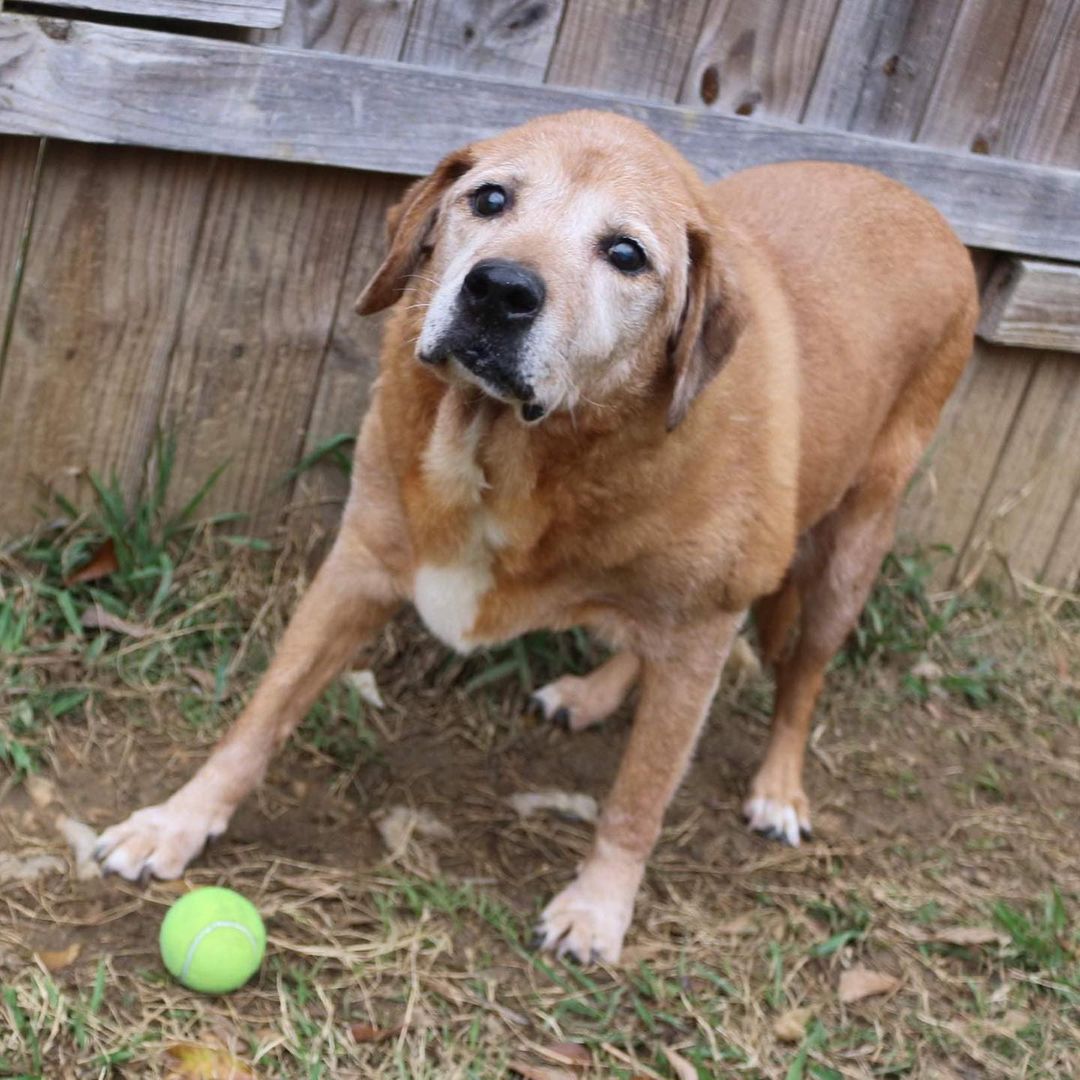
[448, 595]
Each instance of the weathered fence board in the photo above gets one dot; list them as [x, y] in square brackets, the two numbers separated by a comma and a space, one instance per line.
[507, 37]
[880, 65]
[625, 47]
[113, 84]
[265, 279]
[1035, 479]
[18, 173]
[101, 300]
[1029, 302]
[250, 13]
[758, 59]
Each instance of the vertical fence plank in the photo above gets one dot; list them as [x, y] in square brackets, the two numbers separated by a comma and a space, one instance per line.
[102, 293]
[638, 47]
[507, 37]
[880, 64]
[18, 161]
[758, 59]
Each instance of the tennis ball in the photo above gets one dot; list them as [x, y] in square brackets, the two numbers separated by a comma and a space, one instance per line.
[212, 940]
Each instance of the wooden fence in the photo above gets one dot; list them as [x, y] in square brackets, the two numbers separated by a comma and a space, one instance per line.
[188, 209]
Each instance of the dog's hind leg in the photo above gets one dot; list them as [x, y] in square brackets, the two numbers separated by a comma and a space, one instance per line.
[833, 574]
[579, 701]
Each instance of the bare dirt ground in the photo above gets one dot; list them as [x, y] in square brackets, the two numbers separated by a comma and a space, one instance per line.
[945, 861]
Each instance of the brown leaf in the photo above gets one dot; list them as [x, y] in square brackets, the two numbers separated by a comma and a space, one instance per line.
[102, 563]
[83, 841]
[190, 1061]
[55, 959]
[681, 1067]
[539, 1072]
[366, 1033]
[28, 867]
[575, 805]
[40, 790]
[859, 983]
[790, 1027]
[565, 1053]
[968, 935]
[97, 618]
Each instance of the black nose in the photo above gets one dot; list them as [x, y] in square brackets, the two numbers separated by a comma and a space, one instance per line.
[497, 291]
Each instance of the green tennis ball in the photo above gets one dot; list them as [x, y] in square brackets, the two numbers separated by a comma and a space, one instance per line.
[212, 940]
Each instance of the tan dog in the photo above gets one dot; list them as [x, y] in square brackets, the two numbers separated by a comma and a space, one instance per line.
[614, 397]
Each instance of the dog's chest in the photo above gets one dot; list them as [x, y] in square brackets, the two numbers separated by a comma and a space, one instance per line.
[448, 592]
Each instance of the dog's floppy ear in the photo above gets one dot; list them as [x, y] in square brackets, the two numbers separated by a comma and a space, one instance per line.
[409, 225]
[711, 320]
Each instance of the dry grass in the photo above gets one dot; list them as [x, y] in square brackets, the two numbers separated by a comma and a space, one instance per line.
[946, 798]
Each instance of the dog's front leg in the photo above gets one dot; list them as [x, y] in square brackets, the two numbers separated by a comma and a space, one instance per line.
[349, 600]
[589, 918]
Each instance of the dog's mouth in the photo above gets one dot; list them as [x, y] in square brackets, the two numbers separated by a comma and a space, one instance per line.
[493, 370]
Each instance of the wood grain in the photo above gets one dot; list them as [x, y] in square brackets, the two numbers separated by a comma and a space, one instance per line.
[758, 59]
[264, 289]
[102, 295]
[251, 13]
[1034, 485]
[352, 27]
[18, 159]
[513, 38]
[80, 81]
[635, 47]
[880, 65]
[1028, 302]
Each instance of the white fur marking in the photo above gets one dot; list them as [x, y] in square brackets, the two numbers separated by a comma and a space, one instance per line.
[448, 599]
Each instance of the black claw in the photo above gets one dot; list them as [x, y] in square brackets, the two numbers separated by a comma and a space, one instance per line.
[806, 832]
[537, 939]
[535, 707]
[561, 718]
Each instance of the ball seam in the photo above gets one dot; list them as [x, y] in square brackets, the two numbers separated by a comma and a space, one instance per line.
[219, 924]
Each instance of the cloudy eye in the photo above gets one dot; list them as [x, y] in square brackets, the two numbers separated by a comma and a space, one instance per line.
[488, 200]
[626, 255]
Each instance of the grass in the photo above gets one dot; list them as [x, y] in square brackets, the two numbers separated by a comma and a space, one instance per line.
[943, 778]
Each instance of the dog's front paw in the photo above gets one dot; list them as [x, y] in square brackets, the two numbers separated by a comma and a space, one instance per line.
[585, 923]
[778, 808]
[159, 841]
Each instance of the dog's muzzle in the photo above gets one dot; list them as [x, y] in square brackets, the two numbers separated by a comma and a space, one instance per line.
[498, 303]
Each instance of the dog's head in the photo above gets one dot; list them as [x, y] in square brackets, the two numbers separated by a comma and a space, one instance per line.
[567, 261]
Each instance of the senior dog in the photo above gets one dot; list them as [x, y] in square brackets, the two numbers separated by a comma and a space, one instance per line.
[612, 396]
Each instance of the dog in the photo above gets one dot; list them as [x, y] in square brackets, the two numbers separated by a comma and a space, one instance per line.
[612, 396]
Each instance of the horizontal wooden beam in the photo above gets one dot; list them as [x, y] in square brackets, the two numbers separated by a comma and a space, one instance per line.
[262, 14]
[1028, 302]
[118, 85]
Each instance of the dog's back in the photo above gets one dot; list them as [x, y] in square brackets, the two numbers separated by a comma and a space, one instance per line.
[883, 296]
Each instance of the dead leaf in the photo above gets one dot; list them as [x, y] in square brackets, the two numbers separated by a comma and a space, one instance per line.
[97, 618]
[102, 563]
[55, 959]
[968, 935]
[790, 1027]
[83, 840]
[927, 669]
[398, 825]
[859, 983]
[29, 867]
[366, 1033]
[41, 791]
[539, 1072]
[190, 1061]
[363, 682]
[565, 1053]
[682, 1068]
[574, 805]
[205, 680]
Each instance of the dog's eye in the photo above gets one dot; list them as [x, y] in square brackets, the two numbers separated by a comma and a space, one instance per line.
[626, 255]
[489, 200]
